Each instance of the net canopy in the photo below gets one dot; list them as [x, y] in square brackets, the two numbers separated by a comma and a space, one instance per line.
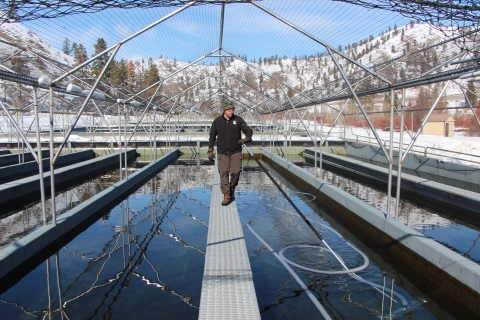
[461, 12]
[268, 56]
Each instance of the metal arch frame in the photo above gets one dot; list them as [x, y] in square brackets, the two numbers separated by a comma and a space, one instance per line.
[117, 47]
[279, 82]
[327, 46]
[118, 44]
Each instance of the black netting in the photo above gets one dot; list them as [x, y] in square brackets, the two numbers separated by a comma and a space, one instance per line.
[463, 13]
[35, 9]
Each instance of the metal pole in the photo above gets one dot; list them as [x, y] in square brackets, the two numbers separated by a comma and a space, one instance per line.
[425, 120]
[105, 120]
[198, 152]
[14, 123]
[150, 136]
[125, 143]
[321, 142]
[52, 162]
[352, 90]
[120, 150]
[154, 136]
[90, 93]
[470, 104]
[160, 82]
[315, 143]
[125, 40]
[336, 119]
[390, 154]
[143, 114]
[39, 150]
[400, 155]
[319, 41]
[222, 19]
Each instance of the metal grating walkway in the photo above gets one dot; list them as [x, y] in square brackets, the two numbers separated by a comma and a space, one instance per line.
[227, 286]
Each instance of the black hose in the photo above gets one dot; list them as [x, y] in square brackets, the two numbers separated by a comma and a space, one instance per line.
[285, 195]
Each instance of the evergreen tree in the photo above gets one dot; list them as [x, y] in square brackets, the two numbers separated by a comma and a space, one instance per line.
[152, 73]
[80, 54]
[99, 64]
[118, 73]
[66, 48]
[74, 48]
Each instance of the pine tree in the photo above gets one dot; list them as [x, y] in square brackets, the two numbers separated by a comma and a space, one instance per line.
[152, 73]
[80, 54]
[118, 73]
[74, 48]
[66, 48]
[99, 63]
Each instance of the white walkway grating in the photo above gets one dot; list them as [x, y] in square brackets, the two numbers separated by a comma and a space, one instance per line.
[227, 287]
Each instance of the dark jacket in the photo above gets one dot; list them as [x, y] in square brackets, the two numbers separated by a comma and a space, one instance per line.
[227, 133]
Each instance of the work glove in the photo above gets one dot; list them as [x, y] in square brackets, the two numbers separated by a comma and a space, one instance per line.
[243, 141]
[210, 154]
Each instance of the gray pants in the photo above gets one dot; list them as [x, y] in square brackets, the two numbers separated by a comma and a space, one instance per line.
[229, 167]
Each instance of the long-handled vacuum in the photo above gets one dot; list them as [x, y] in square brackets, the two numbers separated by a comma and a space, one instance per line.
[296, 208]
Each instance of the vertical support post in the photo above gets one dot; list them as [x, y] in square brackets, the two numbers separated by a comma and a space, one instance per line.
[154, 135]
[321, 142]
[390, 153]
[414, 139]
[52, 162]
[125, 141]
[40, 160]
[198, 152]
[111, 147]
[120, 139]
[315, 136]
[400, 155]
[93, 127]
[285, 143]
[155, 150]
[23, 147]
[69, 147]
[150, 138]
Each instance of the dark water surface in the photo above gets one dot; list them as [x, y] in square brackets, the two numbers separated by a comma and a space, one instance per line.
[144, 260]
[447, 229]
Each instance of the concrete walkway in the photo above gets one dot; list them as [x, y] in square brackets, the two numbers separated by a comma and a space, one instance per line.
[227, 287]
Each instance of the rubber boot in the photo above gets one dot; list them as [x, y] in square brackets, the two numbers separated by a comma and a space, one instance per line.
[226, 199]
[232, 193]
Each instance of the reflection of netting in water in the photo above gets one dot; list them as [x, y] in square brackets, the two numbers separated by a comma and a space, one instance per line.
[321, 259]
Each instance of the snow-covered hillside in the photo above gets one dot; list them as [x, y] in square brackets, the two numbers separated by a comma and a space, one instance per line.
[27, 46]
[307, 73]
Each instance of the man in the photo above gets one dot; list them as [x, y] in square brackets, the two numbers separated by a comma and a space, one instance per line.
[226, 131]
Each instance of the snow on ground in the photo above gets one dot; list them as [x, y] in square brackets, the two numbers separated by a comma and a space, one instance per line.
[458, 143]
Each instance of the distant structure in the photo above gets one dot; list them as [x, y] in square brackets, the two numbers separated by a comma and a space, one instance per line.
[439, 125]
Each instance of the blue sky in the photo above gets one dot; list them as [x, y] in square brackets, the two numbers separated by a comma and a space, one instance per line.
[248, 31]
